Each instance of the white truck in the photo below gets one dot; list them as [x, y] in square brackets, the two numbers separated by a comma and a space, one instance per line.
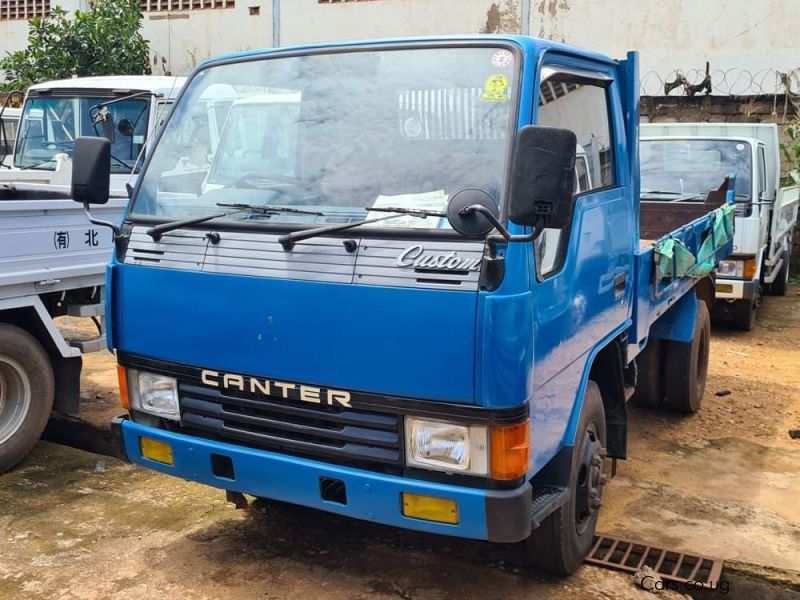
[52, 256]
[697, 156]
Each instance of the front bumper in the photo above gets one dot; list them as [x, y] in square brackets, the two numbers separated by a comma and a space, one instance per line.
[735, 289]
[498, 516]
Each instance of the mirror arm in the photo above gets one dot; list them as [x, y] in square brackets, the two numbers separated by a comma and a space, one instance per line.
[504, 235]
[114, 228]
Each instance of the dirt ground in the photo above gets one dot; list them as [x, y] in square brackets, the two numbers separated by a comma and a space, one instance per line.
[725, 482]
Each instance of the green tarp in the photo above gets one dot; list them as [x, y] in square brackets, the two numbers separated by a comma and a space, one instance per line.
[674, 259]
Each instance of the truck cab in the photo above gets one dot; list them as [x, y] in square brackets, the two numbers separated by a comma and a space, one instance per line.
[386, 296]
[53, 256]
[694, 158]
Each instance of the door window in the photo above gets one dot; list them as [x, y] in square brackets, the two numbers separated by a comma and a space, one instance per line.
[579, 103]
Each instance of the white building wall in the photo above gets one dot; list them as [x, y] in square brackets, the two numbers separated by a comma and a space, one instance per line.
[746, 41]
[308, 21]
[179, 40]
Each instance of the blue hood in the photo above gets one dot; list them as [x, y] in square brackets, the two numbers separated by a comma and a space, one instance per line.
[417, 343]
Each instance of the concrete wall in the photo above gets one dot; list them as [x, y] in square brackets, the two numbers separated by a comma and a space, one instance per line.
[307, 21]
[746, 41]
[181, 39]
[14, 33]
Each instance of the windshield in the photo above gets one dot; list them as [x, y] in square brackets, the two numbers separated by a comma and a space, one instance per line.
[337, 134]
[50, 125]
[693, 166]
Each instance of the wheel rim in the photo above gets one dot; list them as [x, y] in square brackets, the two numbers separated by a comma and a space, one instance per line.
[15, 397]
[590, 480]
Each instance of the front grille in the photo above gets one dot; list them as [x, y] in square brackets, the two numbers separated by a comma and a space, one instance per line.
[339, 435]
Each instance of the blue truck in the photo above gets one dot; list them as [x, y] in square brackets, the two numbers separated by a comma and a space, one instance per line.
[379, 283]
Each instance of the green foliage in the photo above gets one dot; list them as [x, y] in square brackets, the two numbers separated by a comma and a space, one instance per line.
[791, 150]
[105, 40]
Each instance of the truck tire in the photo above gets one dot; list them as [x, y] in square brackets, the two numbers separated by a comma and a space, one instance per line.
[743, 314]
[26, 393]
[562, 542]
[778, 287]
[686, 366]
[649, 390]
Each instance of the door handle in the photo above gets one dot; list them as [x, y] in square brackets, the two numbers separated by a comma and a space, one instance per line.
[620, 282]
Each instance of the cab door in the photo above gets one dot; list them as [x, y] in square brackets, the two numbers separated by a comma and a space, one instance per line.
[582, 273]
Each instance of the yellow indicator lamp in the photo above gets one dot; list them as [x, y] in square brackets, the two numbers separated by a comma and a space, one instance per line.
[725, 288]
[429, 508]
[156, 450]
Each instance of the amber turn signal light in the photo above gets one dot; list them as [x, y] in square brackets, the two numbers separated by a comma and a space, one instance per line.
[510, 451]
[749, 268]
[123, 387]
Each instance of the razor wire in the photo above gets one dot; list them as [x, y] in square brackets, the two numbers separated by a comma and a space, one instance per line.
[727, 82]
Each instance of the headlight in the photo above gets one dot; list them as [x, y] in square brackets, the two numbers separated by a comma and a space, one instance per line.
[730, 268]
[739, 269]
[154, 394]
[446, 446]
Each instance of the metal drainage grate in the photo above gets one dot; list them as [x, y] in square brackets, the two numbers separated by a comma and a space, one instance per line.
[671, 565]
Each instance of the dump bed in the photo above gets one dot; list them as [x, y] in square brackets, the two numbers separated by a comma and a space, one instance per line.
[50, 245]
[680, 243]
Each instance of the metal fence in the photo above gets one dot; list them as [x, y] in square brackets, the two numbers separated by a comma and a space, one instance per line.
[727, 82]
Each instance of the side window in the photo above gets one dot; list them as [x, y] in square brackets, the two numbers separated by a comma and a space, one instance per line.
[162, 111]
[570, 101]
[762, 170]
[581, 175]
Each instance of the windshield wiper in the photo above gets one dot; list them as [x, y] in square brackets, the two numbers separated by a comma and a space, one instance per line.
[416, 212]
[271, 209]
[290, 239]
[157, 231]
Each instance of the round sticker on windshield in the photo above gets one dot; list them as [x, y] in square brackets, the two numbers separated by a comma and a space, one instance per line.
[740, 147]
[495, 89]
[502, 58]
[412, 127]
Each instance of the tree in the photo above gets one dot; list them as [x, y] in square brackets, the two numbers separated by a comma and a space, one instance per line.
[105, 40]
[791, 151]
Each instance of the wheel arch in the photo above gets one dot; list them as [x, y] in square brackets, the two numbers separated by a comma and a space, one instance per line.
[605, 366]
[65, 363]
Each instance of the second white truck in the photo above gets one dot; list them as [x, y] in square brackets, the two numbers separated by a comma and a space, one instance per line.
[52, 256]
[681, 162]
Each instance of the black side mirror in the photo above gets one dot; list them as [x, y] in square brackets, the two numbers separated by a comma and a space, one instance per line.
[543, 177]
[91, 170]
[125, 127]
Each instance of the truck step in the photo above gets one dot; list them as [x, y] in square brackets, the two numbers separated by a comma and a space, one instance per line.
[90, 345]
[86, 310]
[546, 500]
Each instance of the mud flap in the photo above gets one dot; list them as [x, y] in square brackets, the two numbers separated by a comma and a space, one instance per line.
[67, 372]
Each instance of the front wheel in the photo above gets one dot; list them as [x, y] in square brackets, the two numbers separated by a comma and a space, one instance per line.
[564, 539]
[744, 314]
[781, 283]
[26, 393]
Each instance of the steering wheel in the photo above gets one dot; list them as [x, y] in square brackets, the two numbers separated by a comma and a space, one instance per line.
[66, 145]
[290, 186]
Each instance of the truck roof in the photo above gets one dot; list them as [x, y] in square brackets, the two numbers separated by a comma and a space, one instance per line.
[169, 86]
[529, 45]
